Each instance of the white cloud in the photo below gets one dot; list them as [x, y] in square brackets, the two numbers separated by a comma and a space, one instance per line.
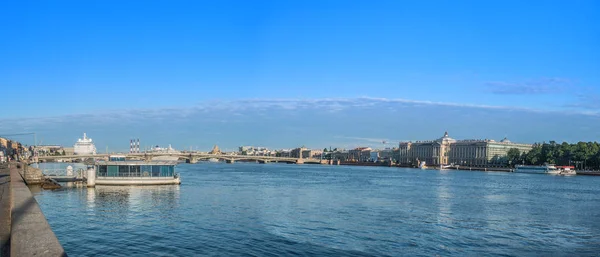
[239, 108]
[530, 87]
[371, 140]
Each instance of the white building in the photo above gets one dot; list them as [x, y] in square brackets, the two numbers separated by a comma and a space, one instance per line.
[167, 150]
[255, 151]
[84, 146]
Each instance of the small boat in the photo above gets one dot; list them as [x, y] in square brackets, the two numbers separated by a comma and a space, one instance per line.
[566, 170]
[538, 169]
[213, 160]
[445, 167]
[422, 165]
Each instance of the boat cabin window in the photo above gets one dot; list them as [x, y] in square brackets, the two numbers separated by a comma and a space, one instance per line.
[135, 170]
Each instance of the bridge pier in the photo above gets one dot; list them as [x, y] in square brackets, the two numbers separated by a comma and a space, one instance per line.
[300, 161]
[191, 160]
[230, 161]
[262, 161]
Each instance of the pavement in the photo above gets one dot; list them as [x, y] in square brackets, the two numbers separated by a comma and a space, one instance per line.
[30, 233]
[24, 230]
[5, 208]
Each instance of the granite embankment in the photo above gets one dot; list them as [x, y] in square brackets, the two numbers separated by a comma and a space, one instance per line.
[5, 207]
[24, 230]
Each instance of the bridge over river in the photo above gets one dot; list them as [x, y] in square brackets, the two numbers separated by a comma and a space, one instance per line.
[190, 157]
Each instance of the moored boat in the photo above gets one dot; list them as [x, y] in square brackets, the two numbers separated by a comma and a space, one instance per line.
[122, 172]
[567, 170]
[537, 169]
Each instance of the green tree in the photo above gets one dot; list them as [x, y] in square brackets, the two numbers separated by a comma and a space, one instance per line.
[325, 149]
[533, 157]
[513, 155]
[584, 154]
[63, 152]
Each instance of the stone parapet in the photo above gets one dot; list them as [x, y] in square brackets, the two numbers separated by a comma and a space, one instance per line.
[31, 234]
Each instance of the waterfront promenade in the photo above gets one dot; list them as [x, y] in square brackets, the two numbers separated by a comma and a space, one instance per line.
[24, 230]
[5, 207]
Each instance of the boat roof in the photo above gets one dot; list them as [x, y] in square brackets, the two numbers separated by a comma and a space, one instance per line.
[136, 163]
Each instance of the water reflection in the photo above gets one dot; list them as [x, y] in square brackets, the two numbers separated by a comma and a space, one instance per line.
[128, 203]
[444, 199]
[91, 198]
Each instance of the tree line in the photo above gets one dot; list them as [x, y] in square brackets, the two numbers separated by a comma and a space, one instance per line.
[582, 155]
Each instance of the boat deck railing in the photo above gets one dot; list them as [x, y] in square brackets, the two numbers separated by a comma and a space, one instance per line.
[137, 178]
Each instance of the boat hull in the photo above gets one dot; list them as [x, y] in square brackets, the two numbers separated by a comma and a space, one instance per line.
[137, 181]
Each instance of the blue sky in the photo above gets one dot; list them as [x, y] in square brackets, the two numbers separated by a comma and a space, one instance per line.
[289, 73]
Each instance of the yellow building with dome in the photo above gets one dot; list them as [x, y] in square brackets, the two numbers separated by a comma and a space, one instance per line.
[446, 150]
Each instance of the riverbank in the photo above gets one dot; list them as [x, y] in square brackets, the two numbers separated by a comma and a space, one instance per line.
[24, 230]
[5, 207]
[385, 164]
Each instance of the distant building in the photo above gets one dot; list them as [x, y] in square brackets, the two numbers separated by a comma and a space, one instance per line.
[310, 153]
[297, 152]
[84, 145]
[69, 150]
[484, 152]
[167, 150]
[3, 150]
[360, 154]
[215, 150]
[44, 150]
[341, 155]
[255, 151]
[284, 153]
[446, 150]
[374, 156]
[389, 154]
[11, 150]
[305, 153]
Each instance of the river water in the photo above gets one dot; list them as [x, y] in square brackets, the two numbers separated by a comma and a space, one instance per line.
[314, 210]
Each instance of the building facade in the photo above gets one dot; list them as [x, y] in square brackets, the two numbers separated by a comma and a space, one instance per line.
[311, 153]
[360, 154]
[340, 155]
[446, 150]
[389, 154]
[255, 151]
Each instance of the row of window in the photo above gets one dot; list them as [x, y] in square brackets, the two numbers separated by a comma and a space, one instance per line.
[135, 171]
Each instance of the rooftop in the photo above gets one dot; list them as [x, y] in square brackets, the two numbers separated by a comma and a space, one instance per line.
[136, 163]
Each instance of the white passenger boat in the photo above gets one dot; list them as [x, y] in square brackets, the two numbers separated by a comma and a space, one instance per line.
[445, 167]
[118, 171]
[567, 170]
[537, 169]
